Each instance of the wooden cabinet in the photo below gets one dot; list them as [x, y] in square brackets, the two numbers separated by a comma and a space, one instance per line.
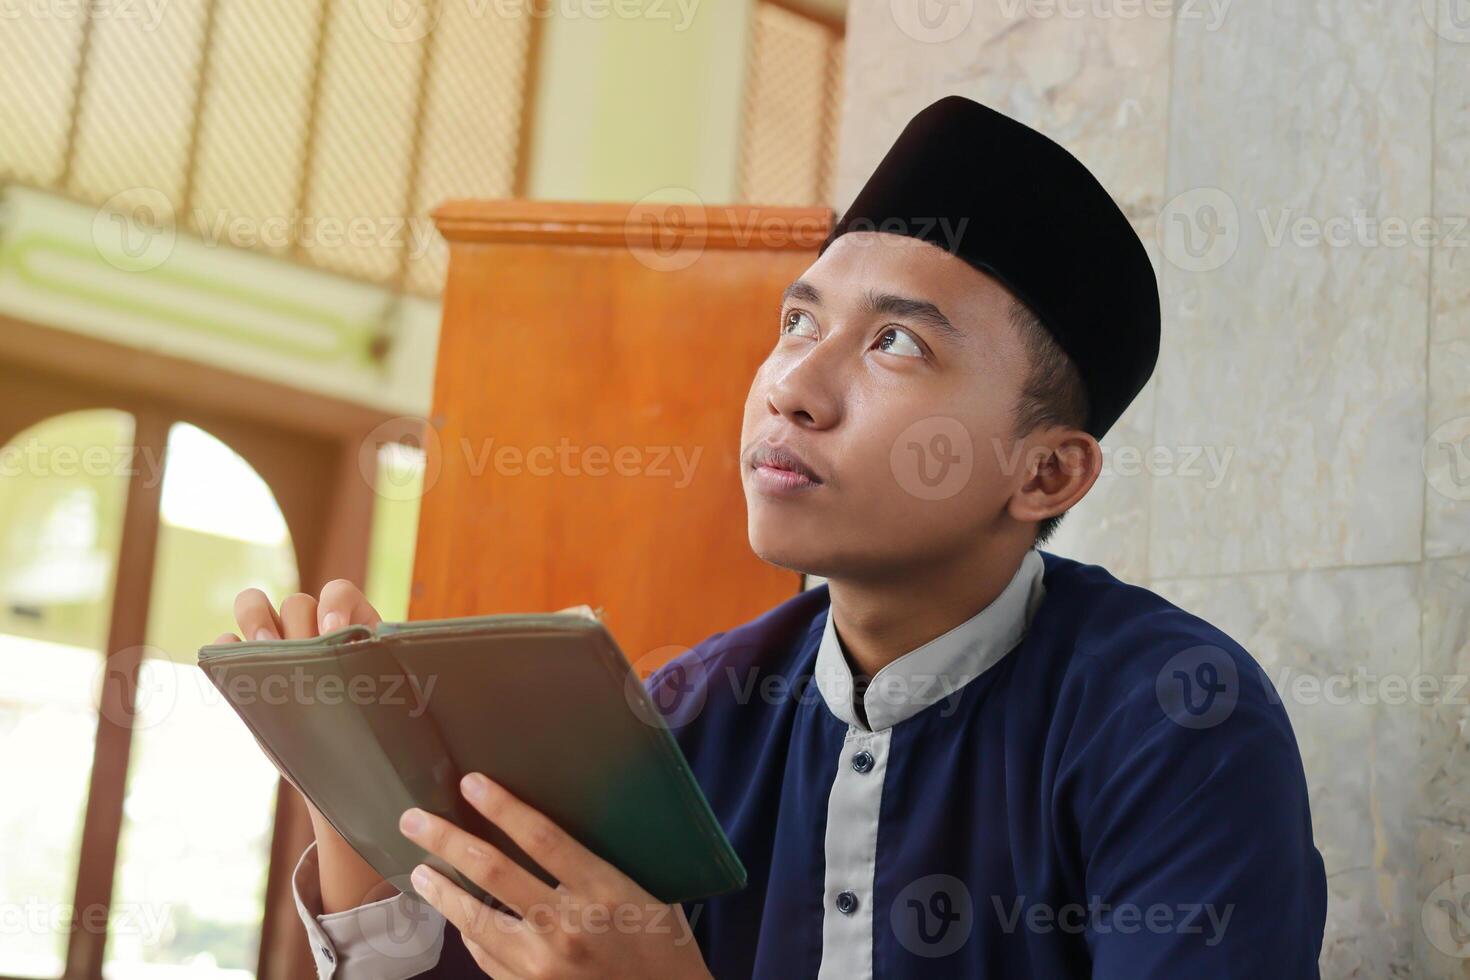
[584, 441]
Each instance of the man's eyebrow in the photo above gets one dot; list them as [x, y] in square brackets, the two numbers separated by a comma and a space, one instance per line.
[887, 304]
[803, 291]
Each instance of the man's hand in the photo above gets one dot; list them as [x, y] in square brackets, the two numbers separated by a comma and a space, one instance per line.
[597, 923]
[347, 880]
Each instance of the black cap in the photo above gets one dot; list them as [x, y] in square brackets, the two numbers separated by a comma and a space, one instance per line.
[1019, 207]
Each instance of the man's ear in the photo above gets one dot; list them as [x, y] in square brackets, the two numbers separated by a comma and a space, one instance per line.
[1061, 464]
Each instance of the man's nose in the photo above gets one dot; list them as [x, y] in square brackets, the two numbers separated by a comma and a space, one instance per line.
[808, 394]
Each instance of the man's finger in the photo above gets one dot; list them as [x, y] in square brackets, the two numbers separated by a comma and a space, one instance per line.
[502, 936]
[298, 616]
[547, 844]
[256, 617]
[484, 864]
[227, 638]
[343, 604]
[486, 961]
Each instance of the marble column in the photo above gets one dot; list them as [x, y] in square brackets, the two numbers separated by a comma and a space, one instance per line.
[1298, 470]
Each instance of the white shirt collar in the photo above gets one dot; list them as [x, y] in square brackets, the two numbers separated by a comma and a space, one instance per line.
[939, 668]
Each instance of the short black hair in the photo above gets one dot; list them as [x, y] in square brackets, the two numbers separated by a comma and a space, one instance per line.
[1052, 393]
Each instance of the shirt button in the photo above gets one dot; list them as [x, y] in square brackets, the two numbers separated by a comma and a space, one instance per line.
[847, 903]
[327, 952]
[863, 761]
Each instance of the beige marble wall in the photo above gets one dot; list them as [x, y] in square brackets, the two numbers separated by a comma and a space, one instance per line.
[1298, 469]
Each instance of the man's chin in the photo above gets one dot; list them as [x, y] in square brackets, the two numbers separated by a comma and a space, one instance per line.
[803, 552]
[835, 556]
[789, 548]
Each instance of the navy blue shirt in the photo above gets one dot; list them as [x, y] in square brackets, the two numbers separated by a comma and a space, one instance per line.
[1084, 781]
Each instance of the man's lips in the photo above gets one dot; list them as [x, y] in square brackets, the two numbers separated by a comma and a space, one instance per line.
[782, 465]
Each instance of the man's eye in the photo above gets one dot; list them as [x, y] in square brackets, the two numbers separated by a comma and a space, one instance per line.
[800, 323]
[896, 340]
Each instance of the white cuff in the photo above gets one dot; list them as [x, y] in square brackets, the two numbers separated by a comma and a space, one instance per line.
[392, 939]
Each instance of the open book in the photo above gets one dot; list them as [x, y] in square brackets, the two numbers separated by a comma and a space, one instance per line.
[369, 721]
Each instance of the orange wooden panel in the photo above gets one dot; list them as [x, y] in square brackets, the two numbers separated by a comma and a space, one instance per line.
[584, 447]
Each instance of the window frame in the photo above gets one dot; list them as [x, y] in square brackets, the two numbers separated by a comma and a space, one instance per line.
[306, 448]
[834, 28]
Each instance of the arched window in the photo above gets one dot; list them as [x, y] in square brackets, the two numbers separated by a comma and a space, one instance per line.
[63, 488]
[193, 846]
[195, 840]
[142, 831]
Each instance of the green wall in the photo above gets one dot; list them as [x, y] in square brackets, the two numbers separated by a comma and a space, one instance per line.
[628, 107]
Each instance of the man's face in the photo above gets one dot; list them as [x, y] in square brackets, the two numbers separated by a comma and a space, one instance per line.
[894, 377]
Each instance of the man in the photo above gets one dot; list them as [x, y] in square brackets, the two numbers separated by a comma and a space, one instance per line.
[961, 756]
